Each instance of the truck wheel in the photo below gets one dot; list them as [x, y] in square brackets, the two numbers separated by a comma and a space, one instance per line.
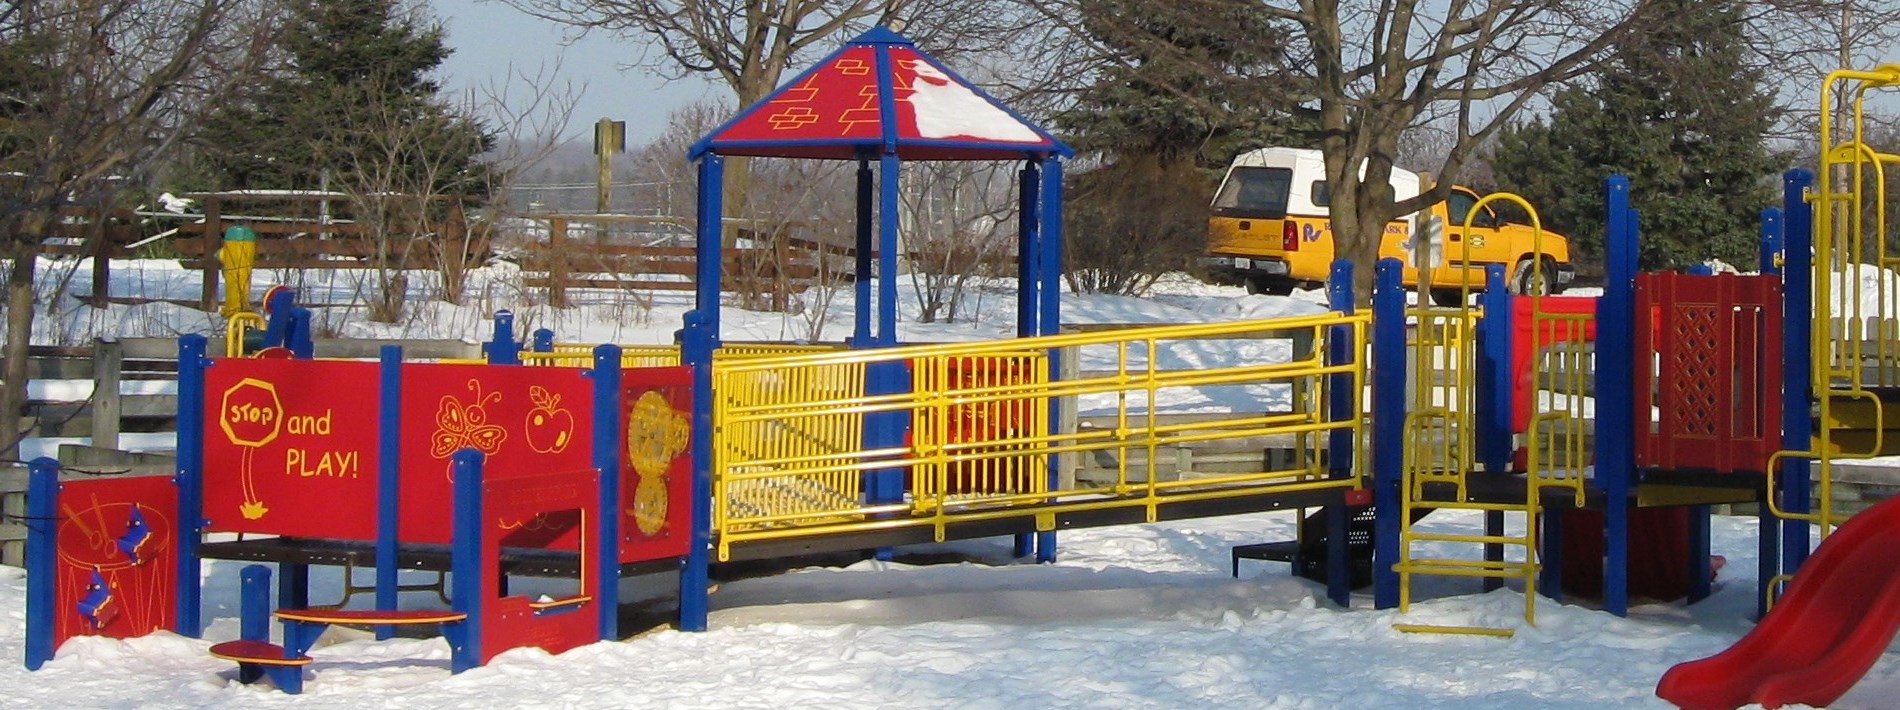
[1448, 297]
[1526, 279]
[1269, 286]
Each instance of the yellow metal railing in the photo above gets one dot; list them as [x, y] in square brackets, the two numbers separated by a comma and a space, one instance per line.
[576, 355]
[789, 455]
[1558, 440]
[235, 329]
[1439, 419]
[582, 355]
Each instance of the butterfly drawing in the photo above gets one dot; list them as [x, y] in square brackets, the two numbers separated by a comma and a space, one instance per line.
[459, 425]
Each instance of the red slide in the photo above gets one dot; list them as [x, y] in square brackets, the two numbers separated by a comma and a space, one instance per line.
[1836, 619]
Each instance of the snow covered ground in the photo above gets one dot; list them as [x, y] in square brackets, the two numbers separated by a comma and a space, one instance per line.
[1139, 616]
[1130, 617]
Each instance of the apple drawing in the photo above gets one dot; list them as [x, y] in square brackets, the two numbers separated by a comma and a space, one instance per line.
[549, 427]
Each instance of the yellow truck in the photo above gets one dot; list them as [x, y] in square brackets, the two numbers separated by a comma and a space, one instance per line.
[1270, 228]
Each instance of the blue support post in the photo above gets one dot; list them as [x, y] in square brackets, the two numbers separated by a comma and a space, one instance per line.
[1495, 437]
[1550, 577]
[1700, 576]
[1049, 262]
[698, 340]
[279, 302]
[254, 616]
[708, 248]
[609, 435]
[1773, 258]
[467, 567]
[1049, 319]
[1028, 280]
[42, 557]
[1494, 552]
[388, 481]
[254, 603]
[300, 343]
[696, 349]
[887, 169]
[1615, 383]
[543, 340]
[1028, 251]
[293, 585]
[866, 246]
[1341, 391]
[504, 349]
[1388, 428]
[190, 478]
[885, 430]
[1797, 388]
[1770, 254]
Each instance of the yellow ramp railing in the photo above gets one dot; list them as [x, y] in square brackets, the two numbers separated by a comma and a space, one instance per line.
[790, 458]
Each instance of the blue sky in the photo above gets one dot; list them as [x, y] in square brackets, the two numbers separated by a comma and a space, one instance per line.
[488, 37]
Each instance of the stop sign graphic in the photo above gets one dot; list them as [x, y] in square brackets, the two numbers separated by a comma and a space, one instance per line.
[251, 415]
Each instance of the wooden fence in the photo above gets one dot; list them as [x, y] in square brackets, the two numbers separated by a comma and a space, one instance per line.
[778, 261]
[440, 240]
[103, 234]
[787, 266]
[317, 231]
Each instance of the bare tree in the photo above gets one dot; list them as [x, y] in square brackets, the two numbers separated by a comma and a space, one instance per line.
[1380, 71]
[1800, 41]
[91, 93]
[749, 44]
[1127, 223]
[959, 219]
[407, 175]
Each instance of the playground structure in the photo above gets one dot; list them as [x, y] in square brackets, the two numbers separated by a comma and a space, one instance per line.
[544, 479]
[1837, 616]
[709, 450]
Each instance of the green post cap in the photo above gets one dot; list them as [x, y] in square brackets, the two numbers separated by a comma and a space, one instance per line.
[239, 233]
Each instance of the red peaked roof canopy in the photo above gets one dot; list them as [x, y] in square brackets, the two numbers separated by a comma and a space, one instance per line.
[880, 93]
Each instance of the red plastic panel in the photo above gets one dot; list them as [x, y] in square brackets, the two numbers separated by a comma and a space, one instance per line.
[521, 505]
[290, 447]
[1708, 378]
[656, 462]
[981, 422]
[1525, 344]
[1658, 568]
[525, 420]
[117, 573]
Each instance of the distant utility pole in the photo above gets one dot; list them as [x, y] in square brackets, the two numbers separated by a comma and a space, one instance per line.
[610, 137]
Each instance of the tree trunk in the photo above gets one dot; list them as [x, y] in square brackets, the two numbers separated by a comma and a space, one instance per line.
[19, 336]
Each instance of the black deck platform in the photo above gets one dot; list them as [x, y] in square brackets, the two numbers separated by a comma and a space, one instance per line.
[1266, 500]
[325, 551]
[1654, 489]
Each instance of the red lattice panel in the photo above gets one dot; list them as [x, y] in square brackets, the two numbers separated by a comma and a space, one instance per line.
[1708, 375]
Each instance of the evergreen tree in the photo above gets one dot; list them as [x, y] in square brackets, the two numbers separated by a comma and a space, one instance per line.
[1678, 110]
[1182, 89]
[353, 96]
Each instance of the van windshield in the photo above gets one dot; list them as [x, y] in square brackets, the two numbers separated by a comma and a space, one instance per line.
[1259, 193]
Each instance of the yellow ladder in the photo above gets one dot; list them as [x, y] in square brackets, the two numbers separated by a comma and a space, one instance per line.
[1422, 472]
[1439, 454]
